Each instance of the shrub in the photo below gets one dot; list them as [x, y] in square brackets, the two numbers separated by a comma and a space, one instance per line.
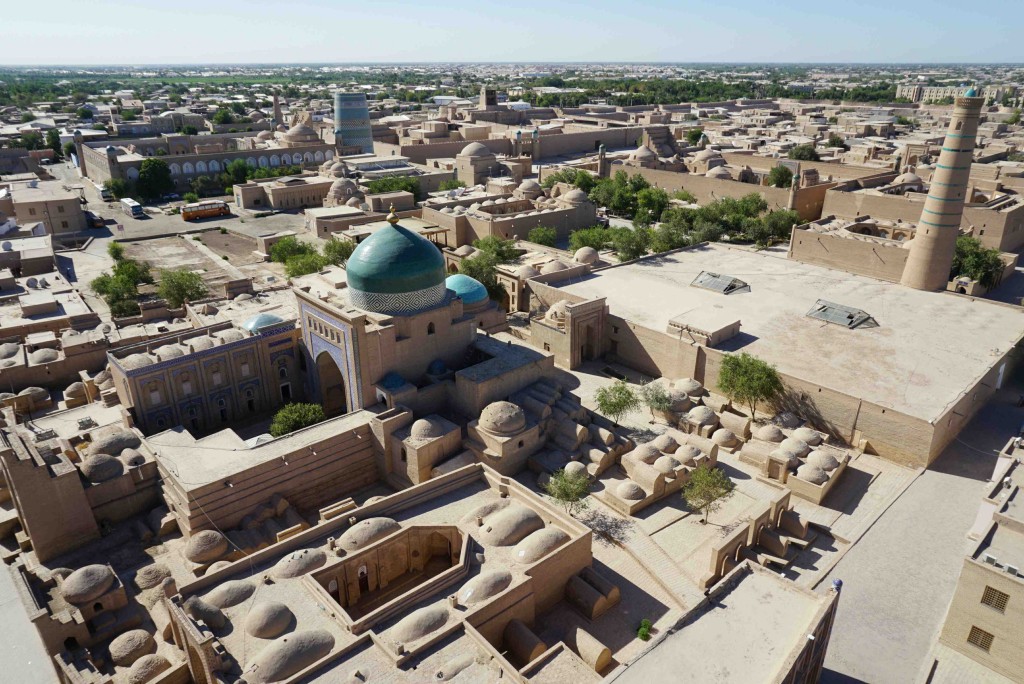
[116, 251]
[504, 251]
[543, 235]
[338, 251]
[190, 197]
[597, 237]
[288, 247]
[805, 152]
[570, 490]
[292, 417]
[451, 184]
[780, 177]
[178, 286]
[616, 400]
[303, 264]
[643, 633]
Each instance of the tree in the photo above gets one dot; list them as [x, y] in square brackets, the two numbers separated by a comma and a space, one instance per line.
[570, 490]
[1014, 118]
[292, 417]
[53, 142]
[616, 400]
[973, 260]
[290, 246]
[237, 171]
[656, 398]
[223, 117]
[180, 285]
[597, 237]
[154, 178]
[543, 235]
[395, 184]
[805, 152]
[117, 187]
[482, 267]
[451, 184]
[338, 251]
[631, 244]
[504, 251]
[650, 203]
[205, 186]
[780, 177]
[189, 130]
[748, 380]
[31, 141]
[116, 251]
[304, 264]
[575, 177]
[835, 140]
[136, 272]
[707, 489]
[684, 196]
[68, 149]
[83, 113]
[190, 197]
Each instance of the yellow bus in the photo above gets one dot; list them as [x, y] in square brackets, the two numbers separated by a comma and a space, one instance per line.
[204, 209]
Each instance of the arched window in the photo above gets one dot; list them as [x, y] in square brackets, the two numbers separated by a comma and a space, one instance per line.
[282, 371]
[430, 328]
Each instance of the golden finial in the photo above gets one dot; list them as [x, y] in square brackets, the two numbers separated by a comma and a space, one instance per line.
[392, 218]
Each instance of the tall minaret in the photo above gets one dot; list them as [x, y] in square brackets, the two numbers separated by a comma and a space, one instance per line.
[931, 250]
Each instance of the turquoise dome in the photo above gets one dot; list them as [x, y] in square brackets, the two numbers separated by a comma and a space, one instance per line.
[469, 289]
[261, 321]
[396, 270]
[971, 92]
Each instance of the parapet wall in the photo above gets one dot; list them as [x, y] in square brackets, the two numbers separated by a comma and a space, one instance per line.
[873, 259]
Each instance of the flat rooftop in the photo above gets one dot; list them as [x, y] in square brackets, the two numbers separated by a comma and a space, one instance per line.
[927, 350]
[746, 633]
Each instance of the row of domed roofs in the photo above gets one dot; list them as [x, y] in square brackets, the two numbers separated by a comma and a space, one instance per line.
[199, 343]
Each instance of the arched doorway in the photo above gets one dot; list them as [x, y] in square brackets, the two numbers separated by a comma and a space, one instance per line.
[332, 385]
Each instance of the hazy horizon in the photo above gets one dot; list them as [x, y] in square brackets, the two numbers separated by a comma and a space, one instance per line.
[259, 32]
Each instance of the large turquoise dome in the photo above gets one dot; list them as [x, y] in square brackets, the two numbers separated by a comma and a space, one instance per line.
[396, 270]
[469, 289]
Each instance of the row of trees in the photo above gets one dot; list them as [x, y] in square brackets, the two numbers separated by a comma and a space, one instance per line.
[155, 180]
[301, 258]
[483, 265]
[973, 260]
[120, 287]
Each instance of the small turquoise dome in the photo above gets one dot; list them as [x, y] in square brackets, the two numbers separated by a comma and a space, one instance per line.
[396, 270]
[261, 321]
[391, 381]
[971, 93]
[469, 289]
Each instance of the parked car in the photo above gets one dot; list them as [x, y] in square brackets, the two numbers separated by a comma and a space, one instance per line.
[171, 197]
[94, 220]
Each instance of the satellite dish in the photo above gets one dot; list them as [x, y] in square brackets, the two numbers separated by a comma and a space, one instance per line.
[32, 282]
[7, 246]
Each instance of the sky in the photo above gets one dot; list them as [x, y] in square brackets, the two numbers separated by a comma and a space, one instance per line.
[141, 32]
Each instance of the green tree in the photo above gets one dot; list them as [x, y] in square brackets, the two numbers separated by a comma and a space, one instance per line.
[973, 260]
[575, 177]
[288, 247]
[396, 184]
[656, 398]
[154, 178]
[189, 130]
[631, 244]
[597, 237]
[805, 152]
[116, 251]
[117, 187]
[650, 203]
[136, 272]
[83, 113]
[483, 267]
[748, 380]
[451, 184]
[504, 251]
[1014, 118]
[190, 197]
[128, 115]
[180, 285]
[31, 141]
[237, 171]
[292, 417]
[780, 177]
[304, 264]
[338, 251]
[53, 142]
[68, 149]
[835, 140]
[693, 135]
[543, 235]
[570, 490]
[223, 117]
[616, 400]
[685, 196]
[707, 489]
[780, 223]
[206, 186]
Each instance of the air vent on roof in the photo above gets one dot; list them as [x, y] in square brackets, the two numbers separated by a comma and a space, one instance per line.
[846, 316]
[716, 282]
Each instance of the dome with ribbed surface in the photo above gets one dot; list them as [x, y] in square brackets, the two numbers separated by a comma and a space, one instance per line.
[396, 270]
[262, 320]
[469, 289]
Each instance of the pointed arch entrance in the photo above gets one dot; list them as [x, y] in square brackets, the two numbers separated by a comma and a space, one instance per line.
[332, 385]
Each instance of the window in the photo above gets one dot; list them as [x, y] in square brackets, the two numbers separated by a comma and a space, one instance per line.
[32, 211]
[430, 328]
[60, 209]
[547, 347]
[980, 638]
[245, 369]
[217, 378]
[186, 386]
[154, 396]
[996, 599]
[63, 224]
[282, 372]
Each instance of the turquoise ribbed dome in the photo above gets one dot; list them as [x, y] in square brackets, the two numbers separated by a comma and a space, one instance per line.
[395, 260]
[469, 289]
[971, 93]
[261, 321]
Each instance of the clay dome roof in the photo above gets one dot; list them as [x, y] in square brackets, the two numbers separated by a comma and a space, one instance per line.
[666, 464]
[268, 619]
[289, 654]
[788, 457]
[115, 443]
[470, 290]
[666, 443]
[465, 250]
[169, 351]
[769, 433]
[75, 390]
[553, 266]
[337, 169]
[367, 531]
[630, 491]
[575, 196]
[135, 361]
[301, 133]
[206, 546]
[823, 459]
[576, 468]
[538, 544]
[526, 271]
[585, 255]
[530, 185]
[265, 135]
[905, 178]
[795, 446]
[298, 563]
[426, 428]
[101, 467]
[8, 349]
[687, 454]
[129, 646]
[809, 472]
[354, 202]
[230, 593]
[146, 669]
[557, 311]
[484, 586]
[342, 187]
[475, 149]
[230, 335]
[44, 355]
[201, 343]
[87, 583]
[393, 262]
[646, 453]
[707, 154]
[502, 417]
[690, 386]
[718, 172]
[509, 525]
[702, 415]
[420, 623]
[132, 458]
[724, 437]
[643, 153]
[806, 434]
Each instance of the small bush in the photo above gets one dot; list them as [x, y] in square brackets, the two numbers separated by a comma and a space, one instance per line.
[223, 231]
[644, 632]
[292, 417]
